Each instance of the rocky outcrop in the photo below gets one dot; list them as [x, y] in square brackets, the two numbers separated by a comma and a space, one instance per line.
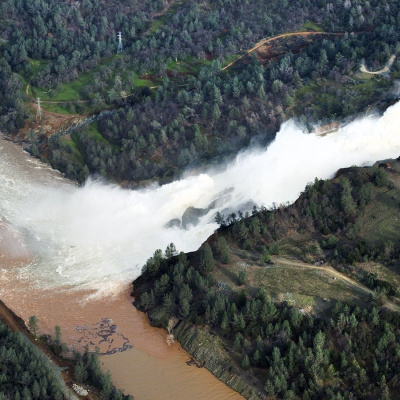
[192, 215]
[211, 353]
[80, 390]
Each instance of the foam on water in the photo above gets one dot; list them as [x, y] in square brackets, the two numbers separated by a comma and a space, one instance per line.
[100, 235]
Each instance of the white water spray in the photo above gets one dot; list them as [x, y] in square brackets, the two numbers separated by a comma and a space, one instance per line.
[99, 236]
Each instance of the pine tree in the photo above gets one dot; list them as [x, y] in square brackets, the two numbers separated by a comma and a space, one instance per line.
[184, 308]
[80, 372]
[237, 343]
[385, 393]
[256, 357]
[270, 389]
[225, 322]
[206, 258]
[242, 278]
[348, 204]
[246, 362]
[33, 324]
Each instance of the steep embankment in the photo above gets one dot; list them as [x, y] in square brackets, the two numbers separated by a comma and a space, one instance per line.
[211, 352]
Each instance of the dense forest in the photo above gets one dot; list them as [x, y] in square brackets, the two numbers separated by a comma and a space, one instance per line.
[12, 112]
[187, 92]
[25, 373]
[347, 351]
[196, 112]
[74, 36]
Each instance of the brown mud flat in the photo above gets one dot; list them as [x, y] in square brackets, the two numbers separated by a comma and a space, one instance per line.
[50, 123]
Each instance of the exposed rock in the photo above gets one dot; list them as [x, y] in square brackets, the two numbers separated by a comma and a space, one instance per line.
[192, 215]
[222, 198]
[384, 165]
[209, 351]
[80, 390]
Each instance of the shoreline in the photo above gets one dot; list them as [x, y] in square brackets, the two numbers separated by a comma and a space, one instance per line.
[134, 367]
[17, 324]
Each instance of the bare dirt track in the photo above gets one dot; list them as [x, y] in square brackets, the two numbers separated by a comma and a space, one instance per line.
[270, 40]
[382, 71]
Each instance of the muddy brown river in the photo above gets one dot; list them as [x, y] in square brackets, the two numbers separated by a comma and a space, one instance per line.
[137, 355]
[68, 254]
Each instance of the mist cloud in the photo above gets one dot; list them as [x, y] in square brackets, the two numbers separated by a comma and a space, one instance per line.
[100, 235]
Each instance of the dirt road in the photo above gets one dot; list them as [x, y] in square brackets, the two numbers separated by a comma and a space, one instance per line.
[382, 71]
[265, 41]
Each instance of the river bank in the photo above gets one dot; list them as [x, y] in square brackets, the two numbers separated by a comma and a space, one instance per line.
[136, 354]
[16, 324]
[86, 243]
[45, 273]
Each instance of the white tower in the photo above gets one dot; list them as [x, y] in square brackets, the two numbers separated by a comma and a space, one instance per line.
[119, 49]
[39, 110]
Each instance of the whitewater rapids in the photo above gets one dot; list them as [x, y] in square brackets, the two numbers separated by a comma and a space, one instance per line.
[98, 236]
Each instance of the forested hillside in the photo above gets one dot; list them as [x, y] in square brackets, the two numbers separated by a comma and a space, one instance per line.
[176, 106]
[25, 373]
[298, 302]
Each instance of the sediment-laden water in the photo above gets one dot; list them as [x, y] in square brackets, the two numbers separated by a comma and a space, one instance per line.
[69, 253]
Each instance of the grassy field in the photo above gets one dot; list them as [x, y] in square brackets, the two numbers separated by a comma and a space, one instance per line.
[91, 131]
[381, 220]
[140, 82]
[59, 108]
[389, 273]
[311, 26]
[75, 153]
[305, 286]
[67, 92]
[73, 90]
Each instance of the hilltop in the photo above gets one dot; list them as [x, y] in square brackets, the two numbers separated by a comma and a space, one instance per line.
[299, 301]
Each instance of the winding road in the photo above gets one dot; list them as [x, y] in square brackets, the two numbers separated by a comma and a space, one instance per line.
[258, 45]
[270, 40]
[382, 71]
